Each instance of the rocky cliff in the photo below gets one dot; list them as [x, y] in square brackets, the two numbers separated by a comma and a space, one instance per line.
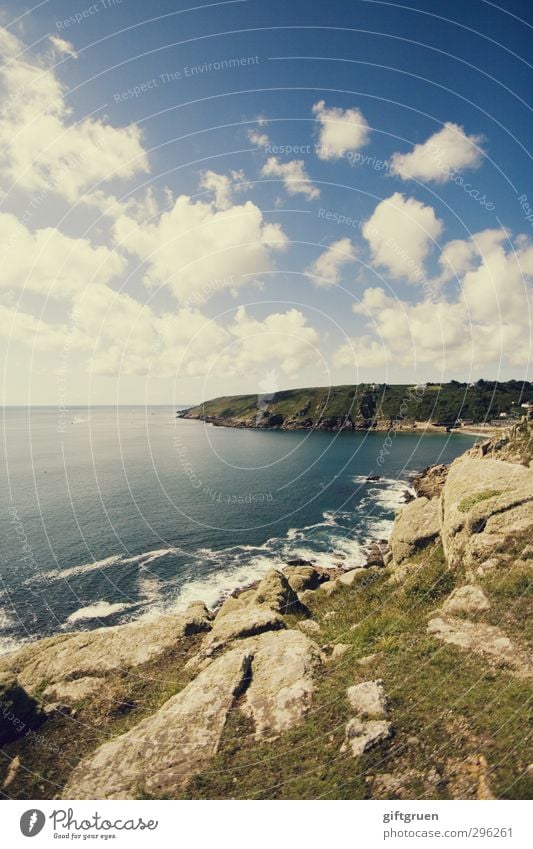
[407, 678]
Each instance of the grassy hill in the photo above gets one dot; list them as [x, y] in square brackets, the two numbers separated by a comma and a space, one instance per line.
[366, 406]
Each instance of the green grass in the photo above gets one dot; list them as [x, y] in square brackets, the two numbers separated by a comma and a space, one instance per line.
[366, 404]
[471, 500]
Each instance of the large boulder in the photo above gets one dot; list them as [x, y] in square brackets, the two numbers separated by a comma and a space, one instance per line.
[466, 599]
[416, 526]
[275, 591]
[283, 673]
[161, 754]
[487, 508]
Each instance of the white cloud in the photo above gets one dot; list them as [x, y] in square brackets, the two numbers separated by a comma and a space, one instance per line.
[41, 148]
[327, 269]
[446, 151]
[400, 232]
[62, 47]
[284, 338]
[487, 322]
[50, 262]
[363, 352]
[223, 186]
[294, 176]
[198, 250]
[341, 130]
[260, 139]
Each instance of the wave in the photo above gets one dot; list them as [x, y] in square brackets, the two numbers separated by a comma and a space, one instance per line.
[98, 610]
[105, 563]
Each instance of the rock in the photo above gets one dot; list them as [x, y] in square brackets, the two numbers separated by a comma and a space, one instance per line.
[373, 478]
[19, 712]
[339, 650]
[246, 622]
[361, 736]
[487, 509]
[302, 578]
[309, 627]
[283, 670]
[274, 591]
[482, 639]
[429, 482]
[160, 755]
[374, 556]
[466, 599]
[12, 772]
[416, 526]
[347, 578]
[369, 659]
[95, 653]
[368, 698]
[197, 618]
[73, 691]
[330, 587]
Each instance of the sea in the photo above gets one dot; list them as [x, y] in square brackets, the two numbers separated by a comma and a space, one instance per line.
[108, 514]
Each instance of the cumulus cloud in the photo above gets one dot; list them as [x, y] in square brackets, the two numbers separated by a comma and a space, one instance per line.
[400, 233]
[50, 262]
[341, 130]
[294, 176]
[41, 147]
[327, 269]
[196, 249]
[436, 159]
[223, 186]
[487, 321]
[284, 338]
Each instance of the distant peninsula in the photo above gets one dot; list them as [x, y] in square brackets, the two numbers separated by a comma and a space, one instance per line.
[372, 406]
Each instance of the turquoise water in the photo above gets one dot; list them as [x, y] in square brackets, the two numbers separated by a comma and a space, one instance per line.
[109, 513]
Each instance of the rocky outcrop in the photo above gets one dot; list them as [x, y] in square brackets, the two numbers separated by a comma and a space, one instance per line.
[93, 654]
[430, 482]
[487, 507]
[275, 591]
[283, 673]
[272, 676]
[160, 754]
[416, 526]
[466, 599]
[487, 640]
[246, 622]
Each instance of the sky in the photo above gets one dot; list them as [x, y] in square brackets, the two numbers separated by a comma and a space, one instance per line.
[248, 196]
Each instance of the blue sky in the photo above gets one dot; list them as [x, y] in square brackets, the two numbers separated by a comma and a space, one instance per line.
[249, 196]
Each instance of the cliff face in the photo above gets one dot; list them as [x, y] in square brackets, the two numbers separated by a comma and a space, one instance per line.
[407, 678]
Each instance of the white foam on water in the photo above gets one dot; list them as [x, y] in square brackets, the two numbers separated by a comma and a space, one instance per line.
[10, 644]
[98, 610]
[215, 587]
[98, 565]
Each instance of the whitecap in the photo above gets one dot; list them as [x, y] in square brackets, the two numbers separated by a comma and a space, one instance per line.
[98, 610]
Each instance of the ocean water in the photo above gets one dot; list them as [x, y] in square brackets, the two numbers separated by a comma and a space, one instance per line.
[107, 514]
